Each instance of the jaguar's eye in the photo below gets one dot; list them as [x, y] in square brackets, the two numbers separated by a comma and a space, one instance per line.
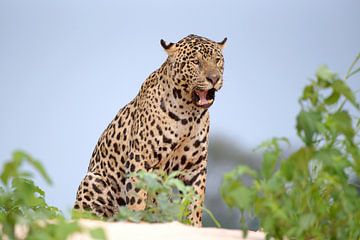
[196, 62]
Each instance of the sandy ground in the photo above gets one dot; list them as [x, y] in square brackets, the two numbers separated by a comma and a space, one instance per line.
[165, 231]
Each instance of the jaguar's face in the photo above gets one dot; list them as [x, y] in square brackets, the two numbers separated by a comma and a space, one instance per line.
[198, 66]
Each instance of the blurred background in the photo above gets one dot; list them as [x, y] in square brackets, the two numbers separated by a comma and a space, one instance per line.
[67, 67]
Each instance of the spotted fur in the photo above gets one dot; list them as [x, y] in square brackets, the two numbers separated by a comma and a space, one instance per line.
[165, 127]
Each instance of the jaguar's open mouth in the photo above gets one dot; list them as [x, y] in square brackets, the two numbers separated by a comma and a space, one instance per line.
[203, 98]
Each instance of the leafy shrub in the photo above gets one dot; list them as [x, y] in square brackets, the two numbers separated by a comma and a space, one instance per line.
[314, 192]
[168, 198]
[23, 205]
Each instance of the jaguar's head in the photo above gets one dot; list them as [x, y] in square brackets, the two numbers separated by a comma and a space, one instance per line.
[196, 66]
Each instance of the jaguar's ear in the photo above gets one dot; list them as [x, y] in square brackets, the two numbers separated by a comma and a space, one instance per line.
[222, 43]
[170, 47]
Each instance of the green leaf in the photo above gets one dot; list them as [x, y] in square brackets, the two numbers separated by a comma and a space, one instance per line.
[268, 165]
[97, 233]
[178, 184]
[130, 215]
[29, 194]
[306, 221]
[297, 164]
[310, 93]
[78, 214]
[325, 77]
[341, 122]
[308, 125]
[241, 197]
[232, 190]
[10, 170]
[333, 98]
[342, 88]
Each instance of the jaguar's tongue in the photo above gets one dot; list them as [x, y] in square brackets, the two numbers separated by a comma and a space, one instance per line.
[202, 97]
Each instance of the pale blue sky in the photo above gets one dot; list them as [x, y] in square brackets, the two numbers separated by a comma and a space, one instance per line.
[67, 66]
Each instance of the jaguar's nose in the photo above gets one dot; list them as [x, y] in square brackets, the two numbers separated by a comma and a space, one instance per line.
[213, 78]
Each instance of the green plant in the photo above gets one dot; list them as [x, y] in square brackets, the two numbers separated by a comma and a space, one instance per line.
[23, 205]
[314, 192]
[168, 198]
